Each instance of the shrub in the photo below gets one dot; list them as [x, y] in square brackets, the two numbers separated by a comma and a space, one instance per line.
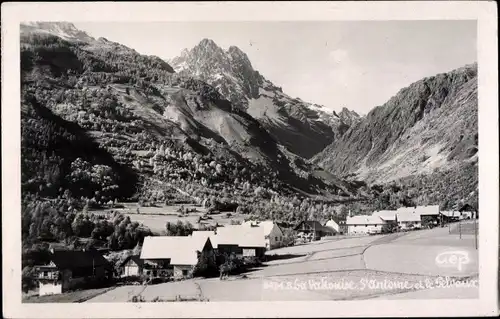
[251, 261]
[390, 227]
[138, 298]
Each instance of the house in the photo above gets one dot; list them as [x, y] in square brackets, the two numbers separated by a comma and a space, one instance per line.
[132, 266]
[337, 225]
[241, 240]
[333, 225]
[273, 233]
[428, 214]
[408, 218]
[386, 215]
[174, 255]
[342, 226]
[432, 210]
[314, 229]
[69, 269]
[364, 224]
[467, 215]
[468, 211]
[450, 216]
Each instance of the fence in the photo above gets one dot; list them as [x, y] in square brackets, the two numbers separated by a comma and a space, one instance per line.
[467, 227]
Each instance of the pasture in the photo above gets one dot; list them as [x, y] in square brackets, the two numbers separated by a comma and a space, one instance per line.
[156, 217]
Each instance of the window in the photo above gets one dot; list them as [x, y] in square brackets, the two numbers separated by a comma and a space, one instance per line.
[45, 274]
[276, 238]
[184, 272]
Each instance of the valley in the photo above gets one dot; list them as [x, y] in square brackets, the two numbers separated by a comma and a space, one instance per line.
[118, 146]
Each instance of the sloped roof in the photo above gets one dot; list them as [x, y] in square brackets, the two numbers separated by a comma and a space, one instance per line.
[331, 223]
[201, 236]
[364, 220]
[427, 210]
[329, 229]
[135, 258]
[406, 210]
[312, 224]
[65, 259]
[202, 233]
[181, 250]
[387, 215]
[268, 225]
[333, 218]
[240, 235]
[408, 216]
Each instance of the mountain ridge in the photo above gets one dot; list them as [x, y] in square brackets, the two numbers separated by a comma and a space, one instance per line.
[133, 105]
[428, 127]
[304, 128]
[179, 128]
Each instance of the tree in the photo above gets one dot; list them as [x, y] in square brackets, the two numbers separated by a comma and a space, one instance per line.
[206, 266]
[343, 212]
[389, 227]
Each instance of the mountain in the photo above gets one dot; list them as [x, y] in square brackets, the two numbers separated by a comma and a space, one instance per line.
[303, 128]
[176, 137]
[349, 117]
[429, 127]
[64, 30]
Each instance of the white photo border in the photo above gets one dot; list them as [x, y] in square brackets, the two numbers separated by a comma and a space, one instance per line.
[484, 12]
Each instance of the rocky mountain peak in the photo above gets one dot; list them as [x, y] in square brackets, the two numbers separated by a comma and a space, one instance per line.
[233, 76]
[62, 29]
[208, 43]
[236, 53]
[207, 49]
[229, 71]
[349, 117]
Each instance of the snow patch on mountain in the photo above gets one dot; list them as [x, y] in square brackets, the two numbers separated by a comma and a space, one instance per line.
[65, 30]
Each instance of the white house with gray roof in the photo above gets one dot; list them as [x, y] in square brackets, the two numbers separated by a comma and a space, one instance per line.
[273, 234]
[364, 224]
[174, 255]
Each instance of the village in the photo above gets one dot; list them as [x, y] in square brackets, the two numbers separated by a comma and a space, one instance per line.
[257, 249]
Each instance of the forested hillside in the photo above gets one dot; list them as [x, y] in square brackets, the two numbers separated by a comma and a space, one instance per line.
[102, 124]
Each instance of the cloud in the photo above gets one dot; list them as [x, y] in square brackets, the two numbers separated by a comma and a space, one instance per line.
[338, 55]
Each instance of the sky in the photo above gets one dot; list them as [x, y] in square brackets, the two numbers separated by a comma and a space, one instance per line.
[353, 64]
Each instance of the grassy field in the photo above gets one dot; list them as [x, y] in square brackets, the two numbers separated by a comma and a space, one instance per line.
[69, 297]
[155, 218]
